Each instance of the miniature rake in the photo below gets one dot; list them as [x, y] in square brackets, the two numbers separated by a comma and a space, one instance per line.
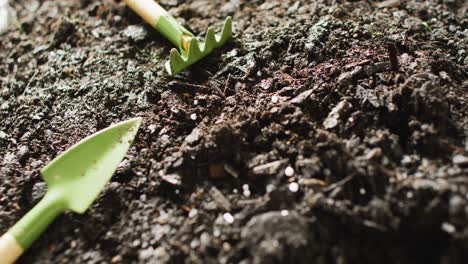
[189, 48]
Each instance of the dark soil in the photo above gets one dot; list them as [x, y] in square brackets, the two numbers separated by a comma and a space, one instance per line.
[325, 132]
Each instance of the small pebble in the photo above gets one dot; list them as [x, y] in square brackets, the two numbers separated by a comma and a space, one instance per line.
[152, 128]
[136, 243]
[116, 259]
[226, 246]
[284, 212]
[193, 212]
[195, 243]
[216, 232]
[23, 152]
[205, 239]
[294, 187]
[193, 117]
[289, 171]
[270, 188]
[228, 218]
[274, 99]
[460, 160]
[136, 33]
[362, 191]
[148, 75]
[448, 227]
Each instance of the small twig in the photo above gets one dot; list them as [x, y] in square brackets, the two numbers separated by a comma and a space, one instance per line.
[338, 183]
[193, 88]
[291, 79]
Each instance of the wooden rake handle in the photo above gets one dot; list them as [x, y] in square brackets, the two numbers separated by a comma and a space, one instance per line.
[149, 10]
[162, 21]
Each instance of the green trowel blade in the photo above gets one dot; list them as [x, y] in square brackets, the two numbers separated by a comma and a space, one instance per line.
[79, 174]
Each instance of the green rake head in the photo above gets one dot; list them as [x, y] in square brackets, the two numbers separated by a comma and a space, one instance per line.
[189, 48]
[196, 49]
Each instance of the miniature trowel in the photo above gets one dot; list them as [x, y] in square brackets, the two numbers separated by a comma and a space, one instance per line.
[74, 180]
[190, 48]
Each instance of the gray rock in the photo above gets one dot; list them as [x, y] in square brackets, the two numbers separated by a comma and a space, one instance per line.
[277, 237]
[230, 7]
[194, 137]
[38, 191]
[346, 78]
[22, 153]
[9, 158]
[388, 3]
[136, 33]
[336, 114]
[460, 160]
[302, 97]
[173, 178]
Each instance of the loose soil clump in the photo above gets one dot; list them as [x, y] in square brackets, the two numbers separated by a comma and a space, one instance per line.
[325, 132]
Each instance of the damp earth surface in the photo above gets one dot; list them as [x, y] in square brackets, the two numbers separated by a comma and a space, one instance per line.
[324, 132]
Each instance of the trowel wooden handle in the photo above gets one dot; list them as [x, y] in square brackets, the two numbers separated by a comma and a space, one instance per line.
[149, 10]
[10, 249]
[22, 234]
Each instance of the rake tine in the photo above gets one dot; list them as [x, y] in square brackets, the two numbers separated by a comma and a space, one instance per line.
[226, 33]
[174, 59]
[199, 49]
[194, 50]
[210, 40]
